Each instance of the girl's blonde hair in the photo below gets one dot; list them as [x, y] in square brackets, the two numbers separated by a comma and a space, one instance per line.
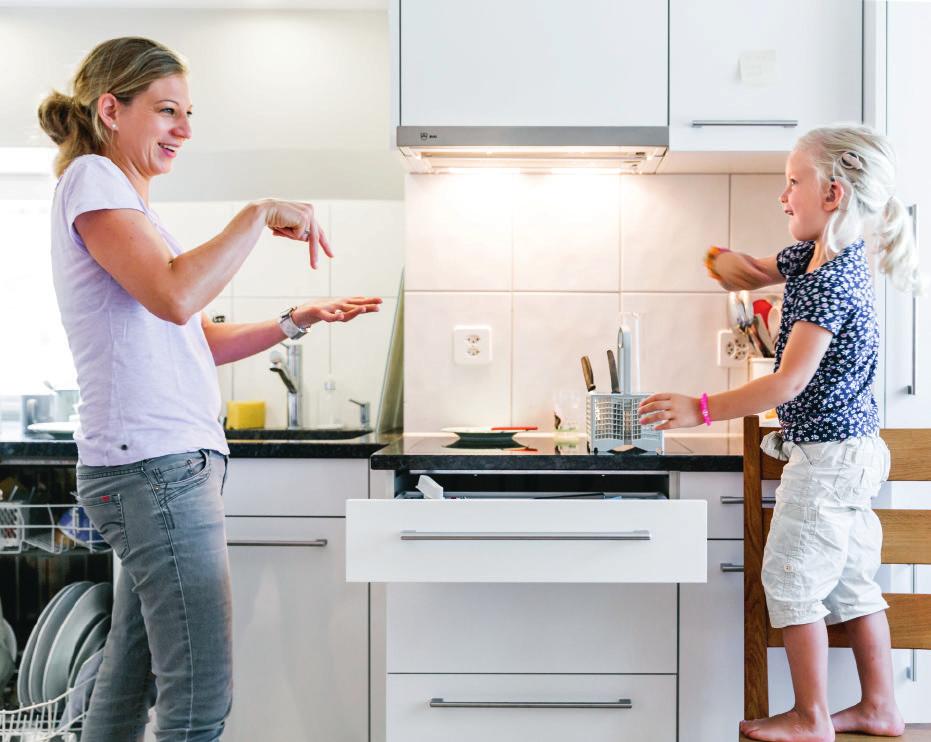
[863, 162]
[124, 67]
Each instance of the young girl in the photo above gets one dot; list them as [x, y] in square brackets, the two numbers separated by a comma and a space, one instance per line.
[824, 544]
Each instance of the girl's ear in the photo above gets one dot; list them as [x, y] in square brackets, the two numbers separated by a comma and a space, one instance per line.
[834, 195]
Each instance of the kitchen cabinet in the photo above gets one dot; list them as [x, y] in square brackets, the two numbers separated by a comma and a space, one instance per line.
[907, 350]
[530, 62]
[761, 63]
[300, 631]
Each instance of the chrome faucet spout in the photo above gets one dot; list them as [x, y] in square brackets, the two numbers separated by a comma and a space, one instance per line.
[290, 374]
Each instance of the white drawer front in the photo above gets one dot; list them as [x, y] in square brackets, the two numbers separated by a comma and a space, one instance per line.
[723, 491]
[419, 710]
[526, 541]
[501, 628]
[293, 486]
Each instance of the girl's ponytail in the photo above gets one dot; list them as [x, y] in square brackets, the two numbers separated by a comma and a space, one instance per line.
[863, 163]
[896, 244]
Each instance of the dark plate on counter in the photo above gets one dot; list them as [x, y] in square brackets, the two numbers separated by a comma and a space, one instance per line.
[296, 434]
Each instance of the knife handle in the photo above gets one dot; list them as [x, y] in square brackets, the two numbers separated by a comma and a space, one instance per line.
[587, 373]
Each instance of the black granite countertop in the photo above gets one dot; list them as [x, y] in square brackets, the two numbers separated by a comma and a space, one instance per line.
[17, 445]
[537, 452]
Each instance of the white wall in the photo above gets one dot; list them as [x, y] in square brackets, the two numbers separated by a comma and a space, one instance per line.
[294, 104]
[548, 262]
[285, 103]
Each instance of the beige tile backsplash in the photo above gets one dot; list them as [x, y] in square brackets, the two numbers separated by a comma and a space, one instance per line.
[367, 238]
[548, 262]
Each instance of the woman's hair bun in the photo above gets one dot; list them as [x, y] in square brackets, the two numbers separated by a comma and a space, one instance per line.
[55, 116]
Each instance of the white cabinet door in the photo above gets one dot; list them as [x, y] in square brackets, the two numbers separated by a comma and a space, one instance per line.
[428, 708]
[711, 641]
[526, 540]
[300, 487]
[724, 493]
[519, 628]
[759, 61]
[533, 63]
[907, 345]
[300, 633]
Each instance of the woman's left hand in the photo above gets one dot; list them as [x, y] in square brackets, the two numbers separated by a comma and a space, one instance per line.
[341, 310]
[670, 411]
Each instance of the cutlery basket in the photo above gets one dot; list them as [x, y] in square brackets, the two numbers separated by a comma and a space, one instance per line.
[612, 420]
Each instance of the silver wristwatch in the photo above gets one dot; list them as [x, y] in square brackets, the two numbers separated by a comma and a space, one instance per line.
[289, 327]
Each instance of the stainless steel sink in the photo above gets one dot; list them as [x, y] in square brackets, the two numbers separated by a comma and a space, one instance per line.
[296, 434]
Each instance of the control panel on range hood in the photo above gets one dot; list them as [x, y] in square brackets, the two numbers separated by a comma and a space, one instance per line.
[618, 149]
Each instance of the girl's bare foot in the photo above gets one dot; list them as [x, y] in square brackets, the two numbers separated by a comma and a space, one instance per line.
[881, 721]
[791, 726]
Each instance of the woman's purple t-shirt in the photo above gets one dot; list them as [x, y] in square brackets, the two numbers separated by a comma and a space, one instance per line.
[148, 387]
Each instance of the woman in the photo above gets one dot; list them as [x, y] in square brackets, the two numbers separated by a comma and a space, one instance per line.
[152, 456]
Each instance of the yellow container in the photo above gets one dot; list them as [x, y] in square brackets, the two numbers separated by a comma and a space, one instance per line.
[245, 414]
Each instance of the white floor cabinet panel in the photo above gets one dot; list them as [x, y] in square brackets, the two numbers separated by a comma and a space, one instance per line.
[711, 640]
[497, 711]
[521, 628]
[301, 633]
[526, 540]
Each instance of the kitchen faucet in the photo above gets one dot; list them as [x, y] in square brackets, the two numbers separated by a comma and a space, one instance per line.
[290, 374]
[364, 408]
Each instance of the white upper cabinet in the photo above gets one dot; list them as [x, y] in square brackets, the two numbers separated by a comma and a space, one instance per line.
[532, 62]
[763, 63]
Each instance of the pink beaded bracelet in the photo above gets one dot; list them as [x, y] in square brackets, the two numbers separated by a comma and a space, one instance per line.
[704, 409]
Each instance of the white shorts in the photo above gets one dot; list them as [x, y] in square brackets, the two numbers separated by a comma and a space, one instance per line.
[825, 541]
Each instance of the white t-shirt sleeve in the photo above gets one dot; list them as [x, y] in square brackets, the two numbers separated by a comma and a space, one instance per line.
[94, 183]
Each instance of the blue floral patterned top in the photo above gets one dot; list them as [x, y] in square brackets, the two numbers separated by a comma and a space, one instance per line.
[838, 402]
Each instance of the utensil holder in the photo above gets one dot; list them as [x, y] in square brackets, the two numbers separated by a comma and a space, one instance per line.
[613, 420]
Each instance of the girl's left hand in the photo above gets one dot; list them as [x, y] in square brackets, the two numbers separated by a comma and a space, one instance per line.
[341, 310]
[670, 411]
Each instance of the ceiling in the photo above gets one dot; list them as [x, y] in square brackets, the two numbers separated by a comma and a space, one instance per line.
[203, 4]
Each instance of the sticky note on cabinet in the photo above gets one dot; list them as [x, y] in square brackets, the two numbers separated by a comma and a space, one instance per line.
[241, 415]
[759, 67]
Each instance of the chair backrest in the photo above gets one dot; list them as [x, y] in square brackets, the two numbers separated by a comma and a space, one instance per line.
[905, 541]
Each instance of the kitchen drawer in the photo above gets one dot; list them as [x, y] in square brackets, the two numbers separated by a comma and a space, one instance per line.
[526, 540]
[723, 491]
[501, 628]
[500, 713]
[293, 486]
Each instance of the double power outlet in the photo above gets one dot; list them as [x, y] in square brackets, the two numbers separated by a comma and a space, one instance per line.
[733, 349]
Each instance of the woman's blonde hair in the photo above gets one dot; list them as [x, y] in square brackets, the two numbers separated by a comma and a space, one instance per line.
[863, 162]
[123, 67]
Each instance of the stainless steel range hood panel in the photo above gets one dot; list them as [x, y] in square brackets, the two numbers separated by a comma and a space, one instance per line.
[533, 148]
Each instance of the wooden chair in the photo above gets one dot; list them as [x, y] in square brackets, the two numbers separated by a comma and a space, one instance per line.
[905, 541]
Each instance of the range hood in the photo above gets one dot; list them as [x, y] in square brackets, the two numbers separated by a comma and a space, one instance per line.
[533, 149]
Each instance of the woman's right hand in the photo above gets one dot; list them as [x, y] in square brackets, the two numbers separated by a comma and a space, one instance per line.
[296, 220]
[736, 271]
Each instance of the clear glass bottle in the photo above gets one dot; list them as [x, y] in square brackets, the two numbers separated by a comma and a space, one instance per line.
[328, 406]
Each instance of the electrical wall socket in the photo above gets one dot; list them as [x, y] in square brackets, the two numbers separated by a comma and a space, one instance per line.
[471, 345]
[733, 349]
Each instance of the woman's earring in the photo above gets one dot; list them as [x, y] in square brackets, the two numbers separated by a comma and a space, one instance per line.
[114, 127]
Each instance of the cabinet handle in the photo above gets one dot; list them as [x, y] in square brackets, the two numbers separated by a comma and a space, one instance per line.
[621, 703]
[261, 542]
[522, 536]
[730, 567]
[911, 672]
[737, 500]
[912, 389]
[786, 123]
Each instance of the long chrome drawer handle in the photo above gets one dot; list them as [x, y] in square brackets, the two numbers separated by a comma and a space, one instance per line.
[522, 536]
[621, 703]
[730, 567]
[787, 123]
[737, 500]
[252, 542]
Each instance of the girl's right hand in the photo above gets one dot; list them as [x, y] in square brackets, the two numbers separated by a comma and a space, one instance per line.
[736, 271]
[296, 220]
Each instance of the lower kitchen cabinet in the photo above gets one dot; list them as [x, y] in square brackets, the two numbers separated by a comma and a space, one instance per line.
[506, 708]
[711, 649]
[300, 652]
